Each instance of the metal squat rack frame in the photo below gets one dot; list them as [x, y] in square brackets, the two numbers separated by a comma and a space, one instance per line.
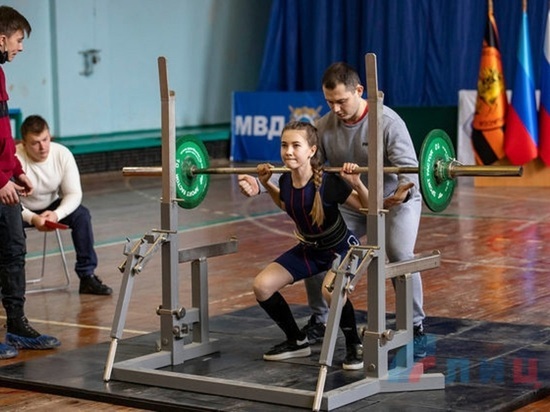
[377, 338]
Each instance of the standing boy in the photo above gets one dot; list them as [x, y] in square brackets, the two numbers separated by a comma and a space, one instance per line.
[13, 183]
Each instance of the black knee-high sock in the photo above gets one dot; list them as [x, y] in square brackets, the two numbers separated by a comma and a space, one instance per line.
[277, 308]
[348, 324]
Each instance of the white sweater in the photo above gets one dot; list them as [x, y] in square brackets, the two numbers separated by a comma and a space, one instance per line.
[56, 177]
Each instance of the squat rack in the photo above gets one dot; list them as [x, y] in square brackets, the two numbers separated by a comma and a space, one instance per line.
[378, 340]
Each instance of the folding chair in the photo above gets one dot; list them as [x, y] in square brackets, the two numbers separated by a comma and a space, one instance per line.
[38, 280]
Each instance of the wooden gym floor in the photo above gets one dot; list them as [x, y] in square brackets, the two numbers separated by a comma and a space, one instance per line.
[495, 260]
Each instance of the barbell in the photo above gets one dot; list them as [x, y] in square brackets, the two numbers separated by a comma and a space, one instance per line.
[437, 171]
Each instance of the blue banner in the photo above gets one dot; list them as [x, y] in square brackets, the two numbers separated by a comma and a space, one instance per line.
[259, 117]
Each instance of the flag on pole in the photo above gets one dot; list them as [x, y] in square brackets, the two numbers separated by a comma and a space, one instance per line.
[491, 102]
[520, 139]
[544, 107]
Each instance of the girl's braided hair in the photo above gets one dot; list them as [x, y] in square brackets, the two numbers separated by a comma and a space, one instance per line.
[317, 213]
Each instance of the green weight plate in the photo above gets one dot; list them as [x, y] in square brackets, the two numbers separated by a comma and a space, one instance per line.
[435, 154]
[191, 189]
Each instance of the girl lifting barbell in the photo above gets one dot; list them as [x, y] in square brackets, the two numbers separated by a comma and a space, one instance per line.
[311, 198]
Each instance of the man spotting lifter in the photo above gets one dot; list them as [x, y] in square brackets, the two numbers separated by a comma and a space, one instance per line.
[343, 136]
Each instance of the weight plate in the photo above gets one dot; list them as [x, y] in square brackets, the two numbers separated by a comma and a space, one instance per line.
[191, 189]
[436, 154]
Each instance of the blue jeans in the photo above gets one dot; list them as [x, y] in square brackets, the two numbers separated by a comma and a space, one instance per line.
[80, 223]
[12, 260]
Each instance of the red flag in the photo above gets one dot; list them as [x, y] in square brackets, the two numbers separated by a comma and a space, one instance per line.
[520, 143]
[491, 103]
[544, 109]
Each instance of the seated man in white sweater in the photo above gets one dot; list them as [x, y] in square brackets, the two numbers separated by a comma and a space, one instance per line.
[52, 169]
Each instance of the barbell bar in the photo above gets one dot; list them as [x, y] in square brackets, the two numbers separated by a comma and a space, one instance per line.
[437, 171]
[454, 170]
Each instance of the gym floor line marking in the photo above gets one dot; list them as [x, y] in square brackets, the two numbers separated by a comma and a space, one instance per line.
[498, 196]
[80, 326]
[242, 295]
[474, 217]
[470, 263]
[181, 230]
[266, 227]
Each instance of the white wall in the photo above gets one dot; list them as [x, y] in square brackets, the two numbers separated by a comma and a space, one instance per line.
[213, 47]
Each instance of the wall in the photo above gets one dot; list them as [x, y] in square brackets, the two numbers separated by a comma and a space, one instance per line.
[212, 47]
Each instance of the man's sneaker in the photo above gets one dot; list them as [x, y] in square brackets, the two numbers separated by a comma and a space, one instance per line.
[7, 351]
[354, 357]
[92, 285]
[314, 330]
[420, 342]
[287, 350]
[23, 336]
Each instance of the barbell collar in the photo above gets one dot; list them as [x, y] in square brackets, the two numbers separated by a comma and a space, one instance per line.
[491, 170]
[142, 171]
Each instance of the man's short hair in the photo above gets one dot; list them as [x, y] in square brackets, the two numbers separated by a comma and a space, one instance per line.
[11, 21]
[33, 124]
[340, 73]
